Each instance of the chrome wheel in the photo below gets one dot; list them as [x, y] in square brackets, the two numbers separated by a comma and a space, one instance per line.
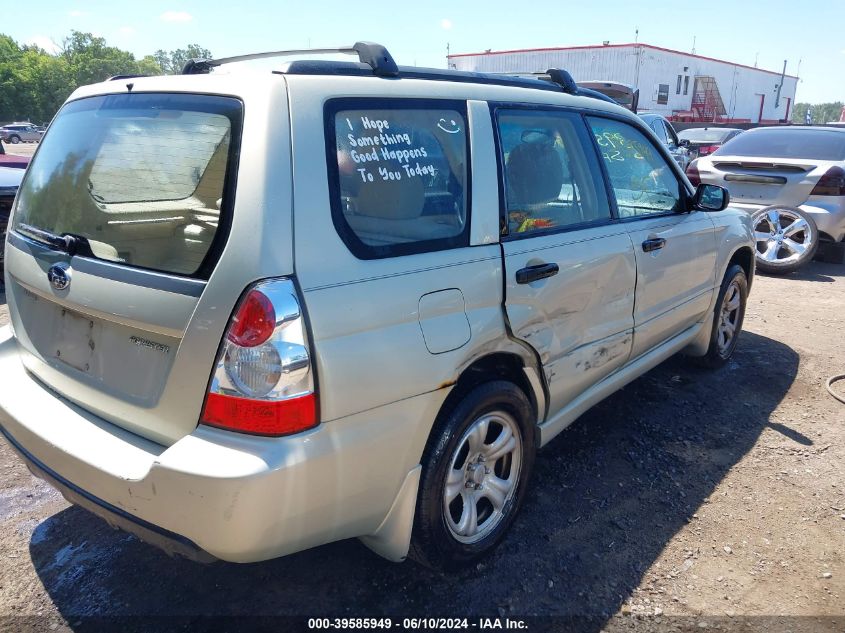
[729, 317]
[483, 476]
[782, 236]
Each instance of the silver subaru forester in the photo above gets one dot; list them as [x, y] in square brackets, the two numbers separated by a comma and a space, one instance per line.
[255, 312]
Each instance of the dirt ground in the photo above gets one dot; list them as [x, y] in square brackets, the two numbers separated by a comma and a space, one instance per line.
[690, 500]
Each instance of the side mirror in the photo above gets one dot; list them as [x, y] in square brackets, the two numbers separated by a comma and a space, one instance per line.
[711, 198]
[684, 142]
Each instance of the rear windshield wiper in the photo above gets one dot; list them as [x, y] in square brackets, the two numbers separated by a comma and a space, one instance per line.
[69, 243]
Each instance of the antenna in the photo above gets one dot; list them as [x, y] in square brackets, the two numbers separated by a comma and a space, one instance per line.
[636, 35]
[756, 57]
[693, 44]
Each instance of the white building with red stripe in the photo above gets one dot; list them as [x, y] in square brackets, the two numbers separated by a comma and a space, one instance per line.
[681, 86]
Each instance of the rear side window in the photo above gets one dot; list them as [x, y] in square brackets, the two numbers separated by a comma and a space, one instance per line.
[400, 175]
[143, 178]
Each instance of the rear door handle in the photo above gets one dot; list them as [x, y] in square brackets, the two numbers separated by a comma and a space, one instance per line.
[653, 244]
[533, 273]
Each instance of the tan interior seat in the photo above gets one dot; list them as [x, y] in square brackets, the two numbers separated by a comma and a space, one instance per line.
[390, 212]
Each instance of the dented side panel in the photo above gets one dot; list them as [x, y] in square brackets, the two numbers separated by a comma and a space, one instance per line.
[580, 321]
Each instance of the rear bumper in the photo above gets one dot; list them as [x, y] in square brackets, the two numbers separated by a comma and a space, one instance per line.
[827, 211]
[172, 543]
[214, 493]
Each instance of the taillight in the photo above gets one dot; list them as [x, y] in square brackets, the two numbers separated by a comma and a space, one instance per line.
[706, 150]
[831, 184]
[692, 173]
[263, 380]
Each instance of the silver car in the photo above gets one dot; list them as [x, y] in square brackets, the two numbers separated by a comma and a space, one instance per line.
[792, 181]
[21, 132]
[255, 313]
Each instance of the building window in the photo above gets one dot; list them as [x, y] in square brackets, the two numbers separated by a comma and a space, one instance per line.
[678, 88]
[662, 94]
[686, 84]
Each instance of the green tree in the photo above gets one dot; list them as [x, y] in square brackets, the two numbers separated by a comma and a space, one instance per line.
[172, 62]
[820, 112]
[34, 83]
[90, 60]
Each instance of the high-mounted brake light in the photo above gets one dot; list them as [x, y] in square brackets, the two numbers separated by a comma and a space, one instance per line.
[263, 380]
[831, 184]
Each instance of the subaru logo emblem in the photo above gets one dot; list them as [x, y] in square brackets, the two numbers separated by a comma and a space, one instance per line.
[59, 276]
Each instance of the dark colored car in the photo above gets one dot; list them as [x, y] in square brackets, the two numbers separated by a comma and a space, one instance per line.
[10, 180]
[667, 135]
[12, 160]
[703, 141]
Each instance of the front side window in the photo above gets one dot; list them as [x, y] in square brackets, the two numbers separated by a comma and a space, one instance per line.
[671, 135]
[401, 175]
[141, 177]
[549, 179]
[643, 182]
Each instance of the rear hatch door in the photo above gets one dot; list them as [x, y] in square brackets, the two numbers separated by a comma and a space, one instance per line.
[119, 222]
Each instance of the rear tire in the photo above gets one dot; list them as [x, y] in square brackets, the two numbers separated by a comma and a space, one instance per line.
[786, 239]
[727, 318]
[14, 140]
[476, 469]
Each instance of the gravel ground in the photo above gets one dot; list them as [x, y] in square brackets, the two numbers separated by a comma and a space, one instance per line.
[690, 500]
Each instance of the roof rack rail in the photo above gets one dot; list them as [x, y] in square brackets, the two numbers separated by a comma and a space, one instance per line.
[374, 55]
[563, 79]
[567, 84]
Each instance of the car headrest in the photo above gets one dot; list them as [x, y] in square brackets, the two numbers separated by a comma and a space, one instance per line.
[391, 199]
[534, 175]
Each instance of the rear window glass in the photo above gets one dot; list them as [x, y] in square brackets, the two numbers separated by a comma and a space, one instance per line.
[702, 135]
[401, 176]
[785, 143]
[143, 178]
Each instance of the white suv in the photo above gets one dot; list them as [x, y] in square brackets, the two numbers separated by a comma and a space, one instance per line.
[252, 313]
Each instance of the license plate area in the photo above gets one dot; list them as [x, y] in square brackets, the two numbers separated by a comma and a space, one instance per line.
[76, 340]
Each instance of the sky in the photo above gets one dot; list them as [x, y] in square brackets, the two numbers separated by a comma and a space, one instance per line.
[417, 32]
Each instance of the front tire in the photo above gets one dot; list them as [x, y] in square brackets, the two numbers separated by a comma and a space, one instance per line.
[786, 239]
[475, 473]
[14, 140]
[727, 318]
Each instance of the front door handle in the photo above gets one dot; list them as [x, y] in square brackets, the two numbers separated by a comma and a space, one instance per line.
[533, 273]
[653, 244]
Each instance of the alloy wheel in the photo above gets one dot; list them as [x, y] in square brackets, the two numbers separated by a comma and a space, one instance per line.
[729, 318]
[782, 236]
[483, 476]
